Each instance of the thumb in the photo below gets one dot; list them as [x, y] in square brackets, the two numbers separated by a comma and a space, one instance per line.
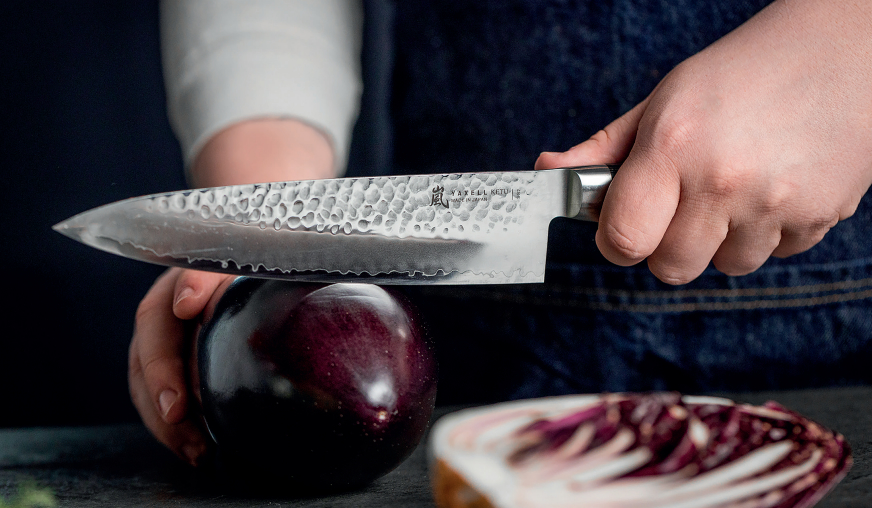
[608, 146]
[193, 291]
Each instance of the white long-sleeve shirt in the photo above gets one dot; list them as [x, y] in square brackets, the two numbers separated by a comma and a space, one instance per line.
[226, 61]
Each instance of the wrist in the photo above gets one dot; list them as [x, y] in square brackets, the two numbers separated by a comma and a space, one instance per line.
[263, 150]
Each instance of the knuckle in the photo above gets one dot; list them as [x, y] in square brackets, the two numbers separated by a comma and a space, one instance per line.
[671, 275]
[806, 235]
[671, 269]
[673, 133]
[604, 139]
[817, 223]
[592, 147]
[162, 370]
[736, 267]
[848, 210]
[723, 182]
[777, 197]
[149, 309]
[600, 138]
[193, 279]
[628, 243]
[815, 238]
[825, 222]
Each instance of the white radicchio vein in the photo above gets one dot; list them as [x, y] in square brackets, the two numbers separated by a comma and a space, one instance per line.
[645, 451]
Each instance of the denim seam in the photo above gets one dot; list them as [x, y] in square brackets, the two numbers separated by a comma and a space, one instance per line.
[847, 264]
[726, 293]
[679, 307]
[727, 306]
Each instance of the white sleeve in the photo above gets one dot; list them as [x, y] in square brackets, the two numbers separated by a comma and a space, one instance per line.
[229, 60]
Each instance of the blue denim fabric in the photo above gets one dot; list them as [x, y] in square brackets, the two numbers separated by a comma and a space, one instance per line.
[487, 86]
[490, 84]
[591, 329]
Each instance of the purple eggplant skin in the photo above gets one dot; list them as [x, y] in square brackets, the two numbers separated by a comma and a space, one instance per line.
[313, 387]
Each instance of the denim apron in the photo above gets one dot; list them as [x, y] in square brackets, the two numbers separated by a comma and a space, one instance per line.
[487, 86]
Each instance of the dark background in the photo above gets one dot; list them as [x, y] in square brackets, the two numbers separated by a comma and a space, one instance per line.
[84, 124]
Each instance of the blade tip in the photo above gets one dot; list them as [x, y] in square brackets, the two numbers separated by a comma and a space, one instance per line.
[68, 229]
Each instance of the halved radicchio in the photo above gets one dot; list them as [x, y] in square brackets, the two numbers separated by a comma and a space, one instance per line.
[654, 450]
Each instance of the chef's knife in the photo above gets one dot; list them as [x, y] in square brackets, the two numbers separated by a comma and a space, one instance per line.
[466, 228]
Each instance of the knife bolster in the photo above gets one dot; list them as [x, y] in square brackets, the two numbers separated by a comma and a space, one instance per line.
[586, 190]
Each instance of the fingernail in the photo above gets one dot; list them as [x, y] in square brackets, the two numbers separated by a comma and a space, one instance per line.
[184, 293]
[192, 452]
[166, 399]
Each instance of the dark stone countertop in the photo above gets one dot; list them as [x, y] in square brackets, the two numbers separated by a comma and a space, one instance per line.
[123, 466]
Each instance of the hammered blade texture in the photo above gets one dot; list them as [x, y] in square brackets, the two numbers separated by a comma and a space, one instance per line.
[399, 206]
[489, 226]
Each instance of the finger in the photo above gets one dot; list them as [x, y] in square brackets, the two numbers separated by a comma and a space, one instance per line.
[192, 292]
[158, 346]
[746, 248]
[795, 240]
[609, 145]
[638, 207]
[692, 238]
[185, 439]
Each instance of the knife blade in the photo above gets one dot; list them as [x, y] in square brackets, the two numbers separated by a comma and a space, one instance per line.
[462, 228]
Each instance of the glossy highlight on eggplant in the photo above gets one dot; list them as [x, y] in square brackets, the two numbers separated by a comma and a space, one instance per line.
[313, 387]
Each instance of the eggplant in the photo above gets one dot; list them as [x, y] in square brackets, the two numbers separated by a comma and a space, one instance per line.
[314, 387]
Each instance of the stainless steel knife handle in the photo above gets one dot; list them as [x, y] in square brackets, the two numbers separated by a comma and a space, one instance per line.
[587, 189]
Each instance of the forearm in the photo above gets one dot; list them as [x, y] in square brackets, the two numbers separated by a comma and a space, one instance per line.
[809, 38]
[230, 61]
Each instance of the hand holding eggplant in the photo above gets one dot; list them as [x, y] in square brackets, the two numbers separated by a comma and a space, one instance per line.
[251, 151]
[158, 363]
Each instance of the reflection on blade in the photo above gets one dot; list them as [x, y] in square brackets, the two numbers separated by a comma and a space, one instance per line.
[431, 256]
[451, 229]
